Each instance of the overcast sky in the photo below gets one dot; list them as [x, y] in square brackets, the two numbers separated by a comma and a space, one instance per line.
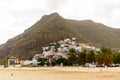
[18, 15]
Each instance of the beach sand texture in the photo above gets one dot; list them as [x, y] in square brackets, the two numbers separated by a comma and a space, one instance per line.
[60, 73]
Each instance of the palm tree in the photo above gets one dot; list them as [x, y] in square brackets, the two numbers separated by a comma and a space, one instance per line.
[72, 57]
[105, 56]
[90, 56]
[116, 58]
[81, 59]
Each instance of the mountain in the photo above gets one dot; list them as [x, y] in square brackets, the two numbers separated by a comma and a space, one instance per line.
[52, 28]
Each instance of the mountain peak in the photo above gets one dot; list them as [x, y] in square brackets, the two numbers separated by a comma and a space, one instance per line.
[52, 16]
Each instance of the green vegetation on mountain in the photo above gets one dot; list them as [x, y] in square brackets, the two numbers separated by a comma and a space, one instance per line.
[52, 28]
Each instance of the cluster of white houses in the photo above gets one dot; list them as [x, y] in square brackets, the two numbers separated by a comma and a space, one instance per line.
[65, 45]
[50, 52]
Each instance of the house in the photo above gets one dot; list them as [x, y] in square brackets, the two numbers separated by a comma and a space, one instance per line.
[73, 39]
[29, 63]
[37, 56]
[90, 47]
[13, 61]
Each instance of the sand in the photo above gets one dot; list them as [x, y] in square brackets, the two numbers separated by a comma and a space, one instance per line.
[60, 73]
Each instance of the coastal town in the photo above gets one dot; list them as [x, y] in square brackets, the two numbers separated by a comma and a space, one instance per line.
[52, 52]
[62, 54]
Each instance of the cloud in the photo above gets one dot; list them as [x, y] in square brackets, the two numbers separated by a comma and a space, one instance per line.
[54, 5]
[98, 10]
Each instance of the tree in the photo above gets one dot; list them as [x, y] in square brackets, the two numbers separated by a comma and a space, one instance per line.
[4, 61]
[116, 58]
[105, 56]
[81, 59]
[99, 58]
[72, 57]
[72, 50]
[90, 56]
[42, 61]
[62, 60]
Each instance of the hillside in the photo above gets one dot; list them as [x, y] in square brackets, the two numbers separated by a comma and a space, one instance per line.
[52, 28]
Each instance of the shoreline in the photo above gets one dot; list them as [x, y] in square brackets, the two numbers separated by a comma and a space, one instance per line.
[59, 73]
[68, 69]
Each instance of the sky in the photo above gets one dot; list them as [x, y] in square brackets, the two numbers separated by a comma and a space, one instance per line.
[18, 15]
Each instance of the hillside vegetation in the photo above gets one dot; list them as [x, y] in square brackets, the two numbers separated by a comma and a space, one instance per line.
[52, 28]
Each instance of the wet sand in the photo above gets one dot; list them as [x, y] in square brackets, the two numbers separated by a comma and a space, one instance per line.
[60, 73]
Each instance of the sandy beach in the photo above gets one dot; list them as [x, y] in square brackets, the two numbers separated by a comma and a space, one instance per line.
[60, 73]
